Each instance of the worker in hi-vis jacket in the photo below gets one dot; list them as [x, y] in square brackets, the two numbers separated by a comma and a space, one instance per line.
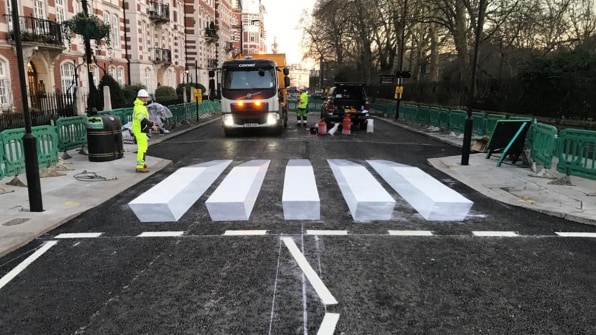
[141, 126]
[302, 107]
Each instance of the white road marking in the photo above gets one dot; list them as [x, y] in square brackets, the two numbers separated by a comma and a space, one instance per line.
[161, 234]
[24, 264]
[328, 324]
[245, 232]
[576, 234]
[410, 232]
[495, 233]
[78, 235]
[326, 232]
[312, 276]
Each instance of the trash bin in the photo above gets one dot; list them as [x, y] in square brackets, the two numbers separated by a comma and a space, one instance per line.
[104, 138]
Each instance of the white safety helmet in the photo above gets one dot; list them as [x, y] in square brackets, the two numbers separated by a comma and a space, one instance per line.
[143, 93]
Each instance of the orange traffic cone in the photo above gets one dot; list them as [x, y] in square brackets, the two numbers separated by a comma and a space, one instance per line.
[346, 125]
[322, 127]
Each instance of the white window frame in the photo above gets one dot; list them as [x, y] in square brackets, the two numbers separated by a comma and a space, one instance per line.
[120, 75]
[5, 90]
[67, 72]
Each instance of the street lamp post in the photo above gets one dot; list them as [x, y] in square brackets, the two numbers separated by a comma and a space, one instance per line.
[29, 141]
[465, 152]
[400, 73]
[93, 94]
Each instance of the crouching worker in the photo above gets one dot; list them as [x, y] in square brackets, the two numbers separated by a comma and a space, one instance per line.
[141, 126]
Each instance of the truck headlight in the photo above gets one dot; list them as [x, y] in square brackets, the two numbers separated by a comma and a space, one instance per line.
[228, 120]
[272, 118]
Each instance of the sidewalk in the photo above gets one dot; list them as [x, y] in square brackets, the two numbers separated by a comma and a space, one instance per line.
[515, 185]
[65, 197]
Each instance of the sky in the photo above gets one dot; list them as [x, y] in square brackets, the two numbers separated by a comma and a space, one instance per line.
[282, 21]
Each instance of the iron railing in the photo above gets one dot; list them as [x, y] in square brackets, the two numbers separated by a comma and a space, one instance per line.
[158, 12]
[44, 107]
[159, 55]
[38, 30]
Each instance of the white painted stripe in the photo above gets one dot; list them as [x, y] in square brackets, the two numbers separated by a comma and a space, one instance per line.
[326, 232]
[328, 324]
[244, 232]
[78, 235]
[410, 232]
[161, 234]
[24, 264]
[312, 276]
[576, 234]
[495, 233]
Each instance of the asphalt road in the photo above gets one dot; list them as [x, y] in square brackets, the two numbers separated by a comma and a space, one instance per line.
[205, 282]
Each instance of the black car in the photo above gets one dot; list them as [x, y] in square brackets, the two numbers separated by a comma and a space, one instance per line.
[345, 98]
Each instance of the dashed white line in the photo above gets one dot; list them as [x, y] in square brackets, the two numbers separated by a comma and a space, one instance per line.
[410, 233]
[495, 233]
[328, 324]
[576, 234]
[244, 232]
[78, 235]
[312, 276]
[161, 234]
[24, 264]
[326, 232]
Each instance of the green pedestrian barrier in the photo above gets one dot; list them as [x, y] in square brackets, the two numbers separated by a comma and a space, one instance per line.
[577, 153]
[72, 133]
[423, 115]
[457, 120]
[2, 164]
[544, 144]
[444, 119]
[478, 124]
[47, 145]
[14, 155]
[434, 116]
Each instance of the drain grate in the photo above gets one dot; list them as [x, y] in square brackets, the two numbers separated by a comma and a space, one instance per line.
[15, 222]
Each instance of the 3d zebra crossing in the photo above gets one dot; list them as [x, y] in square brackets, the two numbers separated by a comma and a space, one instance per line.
[235, 196]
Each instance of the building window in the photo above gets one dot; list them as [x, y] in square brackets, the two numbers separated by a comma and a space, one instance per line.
[60, 12]
[115, 31]
[112, 71]
[67, 77]
[5, 94]
[120, 75]
[148, 79]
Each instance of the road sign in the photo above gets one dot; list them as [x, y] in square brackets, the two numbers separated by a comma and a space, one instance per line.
[198, 94]
[399, 90]
[403, 74]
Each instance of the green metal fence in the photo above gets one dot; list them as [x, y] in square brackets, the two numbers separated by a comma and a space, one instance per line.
[544, 144]
[72, 132]
[2, 164]
[577, 153]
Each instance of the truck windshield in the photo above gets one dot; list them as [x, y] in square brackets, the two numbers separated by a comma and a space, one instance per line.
[238, 79]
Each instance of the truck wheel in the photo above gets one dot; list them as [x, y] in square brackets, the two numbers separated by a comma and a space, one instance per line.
[285, 120]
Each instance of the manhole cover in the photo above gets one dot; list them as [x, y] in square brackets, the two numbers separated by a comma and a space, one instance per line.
[15, 222]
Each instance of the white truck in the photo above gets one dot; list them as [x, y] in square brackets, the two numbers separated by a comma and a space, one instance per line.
[253, 93]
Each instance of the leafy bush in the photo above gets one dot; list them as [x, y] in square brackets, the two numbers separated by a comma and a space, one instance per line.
[165, 94]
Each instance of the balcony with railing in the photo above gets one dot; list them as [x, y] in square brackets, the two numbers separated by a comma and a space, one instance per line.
[161, 56]
[158, 12]
[38, 31]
